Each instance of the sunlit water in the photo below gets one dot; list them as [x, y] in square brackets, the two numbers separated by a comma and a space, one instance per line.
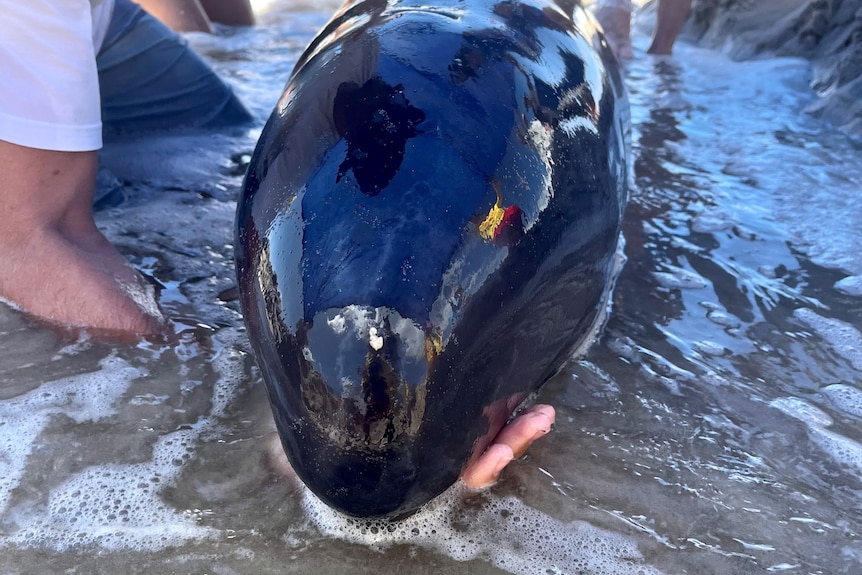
[714, 428]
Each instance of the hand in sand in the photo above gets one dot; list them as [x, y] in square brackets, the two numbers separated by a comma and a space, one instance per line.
[54, 261]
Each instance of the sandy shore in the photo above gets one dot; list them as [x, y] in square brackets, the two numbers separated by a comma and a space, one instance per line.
[827, 32]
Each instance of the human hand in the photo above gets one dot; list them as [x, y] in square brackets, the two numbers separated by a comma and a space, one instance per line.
[511, 443]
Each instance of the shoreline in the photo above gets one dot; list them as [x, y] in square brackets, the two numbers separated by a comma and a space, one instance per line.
[828, 33]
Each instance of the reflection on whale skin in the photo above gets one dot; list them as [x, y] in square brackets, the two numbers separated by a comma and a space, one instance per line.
[426, 232]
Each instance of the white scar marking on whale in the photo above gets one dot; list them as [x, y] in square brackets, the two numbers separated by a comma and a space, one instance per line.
[374, 340]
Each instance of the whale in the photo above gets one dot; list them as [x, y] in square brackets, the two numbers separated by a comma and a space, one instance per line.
[427, 231]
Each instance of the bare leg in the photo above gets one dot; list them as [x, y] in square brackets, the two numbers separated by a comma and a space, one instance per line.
[197, 15]
[672, 14]
[230, 12]
[54, 262]
[616, 21]
[179, 15]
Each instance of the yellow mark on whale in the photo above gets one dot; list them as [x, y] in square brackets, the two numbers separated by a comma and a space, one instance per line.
[494, 217]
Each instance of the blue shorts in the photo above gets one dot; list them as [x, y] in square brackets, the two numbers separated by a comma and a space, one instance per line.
[151, 80]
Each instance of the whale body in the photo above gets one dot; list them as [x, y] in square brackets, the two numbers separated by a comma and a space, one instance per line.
[427, 229]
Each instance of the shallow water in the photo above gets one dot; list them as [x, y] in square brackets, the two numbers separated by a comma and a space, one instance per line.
[714, 428]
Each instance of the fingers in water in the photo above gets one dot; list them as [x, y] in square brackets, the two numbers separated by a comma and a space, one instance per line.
[510, 443]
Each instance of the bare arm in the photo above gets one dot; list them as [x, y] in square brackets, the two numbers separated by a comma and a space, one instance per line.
[54, 262]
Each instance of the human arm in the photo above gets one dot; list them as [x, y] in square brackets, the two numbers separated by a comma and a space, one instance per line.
[54, 262]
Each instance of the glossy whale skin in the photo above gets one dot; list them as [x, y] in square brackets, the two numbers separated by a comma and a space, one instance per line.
[426, 232]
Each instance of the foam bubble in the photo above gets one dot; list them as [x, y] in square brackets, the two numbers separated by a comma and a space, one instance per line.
[16, 441]
[710, 348]
[845, 397]
[113, 506]
[117, 506]
[83, 343]
[502, 531]
[86, 397]
[679, 278]
[228, 363]
[713, 221]
[803, 411]
[851, 285]
[841, 449]
[722, 318]
[843, 337]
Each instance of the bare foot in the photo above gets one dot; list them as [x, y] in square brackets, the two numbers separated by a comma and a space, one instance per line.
[511, 443]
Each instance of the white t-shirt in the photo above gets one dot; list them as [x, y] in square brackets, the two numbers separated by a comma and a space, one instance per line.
[49, 86]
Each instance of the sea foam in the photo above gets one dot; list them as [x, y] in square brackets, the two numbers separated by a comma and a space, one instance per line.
[115, 505]
[500, 530]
